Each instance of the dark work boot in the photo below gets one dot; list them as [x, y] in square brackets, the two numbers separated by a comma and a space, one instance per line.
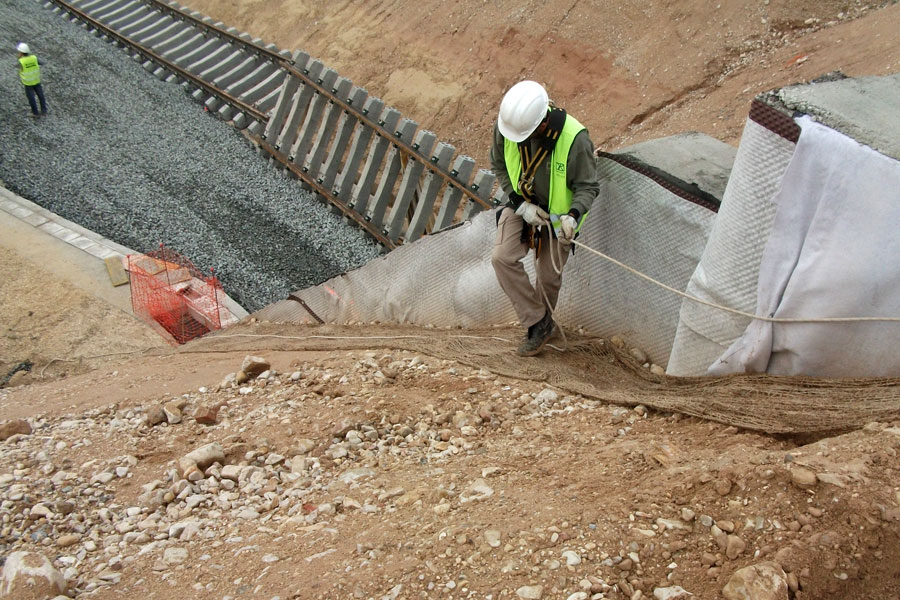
[538, 335]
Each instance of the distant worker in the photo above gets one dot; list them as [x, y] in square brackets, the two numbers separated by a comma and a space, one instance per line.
[30, 74]
[544, 159]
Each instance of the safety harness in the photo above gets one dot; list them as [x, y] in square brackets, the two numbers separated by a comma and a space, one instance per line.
[556, 119]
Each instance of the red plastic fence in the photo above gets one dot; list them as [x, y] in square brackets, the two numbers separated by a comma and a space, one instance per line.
[168, 289]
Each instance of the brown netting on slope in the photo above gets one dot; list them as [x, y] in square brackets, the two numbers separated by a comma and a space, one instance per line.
[598, 370]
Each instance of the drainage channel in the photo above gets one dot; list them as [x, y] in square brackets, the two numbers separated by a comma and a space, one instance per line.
[376, 168]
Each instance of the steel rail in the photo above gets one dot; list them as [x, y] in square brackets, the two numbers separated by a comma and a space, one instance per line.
[211, 89]
[349, 212]
[163, 7]
[289, 66]
[406, 149]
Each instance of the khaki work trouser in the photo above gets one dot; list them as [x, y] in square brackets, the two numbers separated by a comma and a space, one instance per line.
[509, 250]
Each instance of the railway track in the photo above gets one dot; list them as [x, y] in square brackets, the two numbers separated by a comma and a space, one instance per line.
[372, 165]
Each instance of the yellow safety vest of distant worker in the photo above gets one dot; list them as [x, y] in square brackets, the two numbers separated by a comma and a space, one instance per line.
[30, 73]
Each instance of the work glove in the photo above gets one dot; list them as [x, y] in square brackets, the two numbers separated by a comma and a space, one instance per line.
[532, 213]
[567, 225]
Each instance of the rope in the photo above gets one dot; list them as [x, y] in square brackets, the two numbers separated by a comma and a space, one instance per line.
[353, 337]
[81, 358]
[734, 310]
[557, 267]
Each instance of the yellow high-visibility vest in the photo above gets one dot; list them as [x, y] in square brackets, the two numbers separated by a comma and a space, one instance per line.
[31, 70]
[560, 200]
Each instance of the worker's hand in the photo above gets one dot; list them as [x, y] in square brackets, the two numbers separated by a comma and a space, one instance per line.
[532, 213]
[567, 225]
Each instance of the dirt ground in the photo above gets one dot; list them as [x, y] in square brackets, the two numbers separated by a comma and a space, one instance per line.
[401, 463]
[390, 462]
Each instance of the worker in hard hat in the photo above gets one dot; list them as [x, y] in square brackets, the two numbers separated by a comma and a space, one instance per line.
[544, 160]
[30, 75]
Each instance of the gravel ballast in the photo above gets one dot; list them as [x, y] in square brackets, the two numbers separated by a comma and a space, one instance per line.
[138, 161]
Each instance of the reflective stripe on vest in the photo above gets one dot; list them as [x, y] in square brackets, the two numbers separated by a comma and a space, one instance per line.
[560, 200]
[31, 70]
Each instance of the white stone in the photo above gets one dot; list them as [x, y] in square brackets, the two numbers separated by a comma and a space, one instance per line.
[248, 514]
[530, 592]
[125, 527]
[674, 592]
[352, 475]
[203, 456]
[174, 555]
[442, 509]
[173, 414]
[40, 510]
[489, 471]
[30, 575]
[232, 472]
[184, 530]
[477, 490]
[305, 445]
[763, 581]
[254, 365]
[274, 459]
[492, 537]
[195, 500]
[102, 478]
[673, 524]
[547, 395]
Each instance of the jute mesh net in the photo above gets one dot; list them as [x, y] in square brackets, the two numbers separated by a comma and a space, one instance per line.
[599, 370]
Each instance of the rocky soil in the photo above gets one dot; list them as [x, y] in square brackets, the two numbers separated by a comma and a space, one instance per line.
[394, 474]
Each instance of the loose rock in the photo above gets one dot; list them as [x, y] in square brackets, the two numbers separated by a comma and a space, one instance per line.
[763, 581]
[30, 576]
[17, 427]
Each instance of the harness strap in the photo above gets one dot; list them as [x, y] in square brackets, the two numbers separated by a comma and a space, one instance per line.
[533, 238]
[556, 119]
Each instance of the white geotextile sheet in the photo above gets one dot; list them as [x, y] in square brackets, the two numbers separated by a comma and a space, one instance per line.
[443, 280]
[645, 226]
[446, 280]
[729, 265]
[833, 251]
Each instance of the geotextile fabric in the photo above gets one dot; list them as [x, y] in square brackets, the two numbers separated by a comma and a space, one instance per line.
[729, 265]
[833, 252]
[446, 279]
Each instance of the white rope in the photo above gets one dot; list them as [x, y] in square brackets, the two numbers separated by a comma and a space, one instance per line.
[734, 310]
[351, 337]
[557, 268]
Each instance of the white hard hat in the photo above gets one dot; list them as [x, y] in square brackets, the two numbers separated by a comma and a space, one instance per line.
[523, 108]
[23, 48]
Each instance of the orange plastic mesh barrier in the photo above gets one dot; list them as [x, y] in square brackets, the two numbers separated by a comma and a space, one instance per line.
[168, 289]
